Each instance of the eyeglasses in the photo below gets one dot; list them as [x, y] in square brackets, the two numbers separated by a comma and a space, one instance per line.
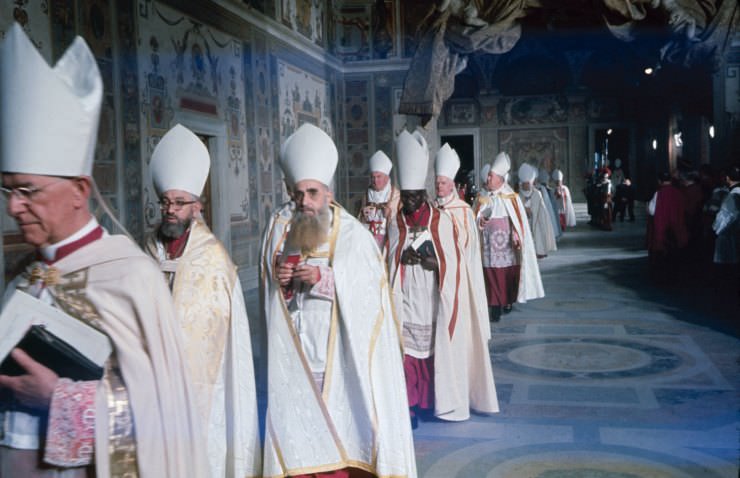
[26, 193]
[177, 204]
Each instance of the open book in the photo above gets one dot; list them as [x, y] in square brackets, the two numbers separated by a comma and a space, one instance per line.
[59, 341]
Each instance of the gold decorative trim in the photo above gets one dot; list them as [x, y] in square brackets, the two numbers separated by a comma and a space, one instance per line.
[331, 348]
[70, 295]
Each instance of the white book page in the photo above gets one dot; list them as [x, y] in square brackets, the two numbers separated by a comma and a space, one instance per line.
[423, 237]
[23, 310]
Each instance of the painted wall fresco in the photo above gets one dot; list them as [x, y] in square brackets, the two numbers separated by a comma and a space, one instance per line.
[352, 32]
[33, 16]
[545, 148]
[193, 69]
[532, 110]
[306, 17]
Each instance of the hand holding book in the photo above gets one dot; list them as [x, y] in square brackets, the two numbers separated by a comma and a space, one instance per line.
[40, 343]
[33, 388]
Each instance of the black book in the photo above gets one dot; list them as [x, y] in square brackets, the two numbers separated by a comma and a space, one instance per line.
[54, 353]
[65, 344]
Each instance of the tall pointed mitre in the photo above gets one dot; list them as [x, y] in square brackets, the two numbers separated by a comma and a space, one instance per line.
[380, 163]
[557, 175]
[48, 116]
[446, 162]
[309, 153]
[180, 162]
[502, 164]
[413, 160]
[526, 173]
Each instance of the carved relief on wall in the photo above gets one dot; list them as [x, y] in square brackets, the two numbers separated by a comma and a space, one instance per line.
[532, 110]
[303, 99]
[545, 148]
[305, 17]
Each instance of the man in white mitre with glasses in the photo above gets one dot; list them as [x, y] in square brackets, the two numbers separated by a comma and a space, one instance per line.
[210, 306]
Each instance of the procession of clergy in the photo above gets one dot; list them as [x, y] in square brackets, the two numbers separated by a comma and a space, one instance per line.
[372, 324]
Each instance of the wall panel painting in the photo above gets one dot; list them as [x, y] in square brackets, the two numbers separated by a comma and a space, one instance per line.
[195, 70]
[305, 17]
[545, 148]
[303, 99]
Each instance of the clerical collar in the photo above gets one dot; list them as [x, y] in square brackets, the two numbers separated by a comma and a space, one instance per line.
[441, 202]
[88, 233]
[175, 247]
[496, 191]
[381, 196]
[420, 216]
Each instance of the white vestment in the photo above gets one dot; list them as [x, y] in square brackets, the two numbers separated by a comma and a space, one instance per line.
[505, 201]
[565, 205]
[473, 357]
[539, 221]
[454, 394]
[549, 198]
[358, 417]
[210, 308]
[112, 285]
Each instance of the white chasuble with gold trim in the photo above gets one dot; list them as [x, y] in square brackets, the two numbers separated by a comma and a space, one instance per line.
[212, 315]
[359, 417]
[114, 282]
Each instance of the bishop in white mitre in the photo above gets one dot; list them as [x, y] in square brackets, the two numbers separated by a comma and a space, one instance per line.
[210, 306]
[336, 405]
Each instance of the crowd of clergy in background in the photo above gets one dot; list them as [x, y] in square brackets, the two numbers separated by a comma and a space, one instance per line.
[374, 319]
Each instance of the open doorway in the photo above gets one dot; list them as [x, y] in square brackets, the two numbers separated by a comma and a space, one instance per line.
[611, 144]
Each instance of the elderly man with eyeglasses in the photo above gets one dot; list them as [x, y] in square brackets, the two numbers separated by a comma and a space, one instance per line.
[210, 306]
[138, 418]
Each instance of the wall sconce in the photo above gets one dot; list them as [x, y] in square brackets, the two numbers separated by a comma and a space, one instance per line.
[677, 140]
[711, 131]
[609, 131]
[655, 144]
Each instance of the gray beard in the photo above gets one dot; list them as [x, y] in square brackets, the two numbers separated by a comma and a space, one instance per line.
[173, 230]
[307, 233]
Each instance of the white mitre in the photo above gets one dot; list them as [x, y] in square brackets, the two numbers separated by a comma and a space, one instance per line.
[380, 163]
[48, 116]
[180, 162]
[526, 173]
[447, 162]
[502, 164]
[557, 175]
[413, 160]
[309, 153]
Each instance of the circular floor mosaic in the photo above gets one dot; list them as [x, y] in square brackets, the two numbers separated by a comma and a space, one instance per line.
[569, 464]
[582, 304]
[585, 358]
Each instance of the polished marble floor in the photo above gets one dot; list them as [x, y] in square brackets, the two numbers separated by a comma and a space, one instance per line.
[612, 375]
